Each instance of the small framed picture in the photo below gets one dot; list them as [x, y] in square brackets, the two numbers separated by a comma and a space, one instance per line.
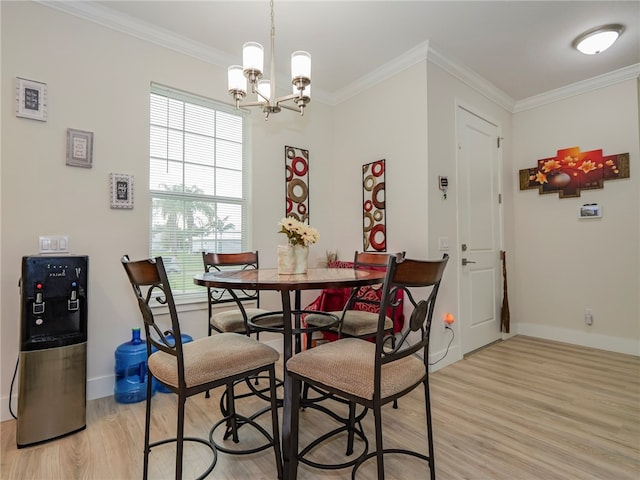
[31, 99]
[79, 148]
[589, 210]
[121, 190]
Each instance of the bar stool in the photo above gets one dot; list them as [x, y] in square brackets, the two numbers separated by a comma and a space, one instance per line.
[244, 305]
[195, 367]
[374, 374]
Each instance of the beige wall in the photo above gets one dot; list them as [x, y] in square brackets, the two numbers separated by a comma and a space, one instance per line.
[376, 125]
[445, 94]
[98, 80]
[562, 265]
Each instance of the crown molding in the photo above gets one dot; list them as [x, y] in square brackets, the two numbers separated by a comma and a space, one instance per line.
[415, 55]
[584, 86]
[107, 17]
[151, 33]
[472, 79]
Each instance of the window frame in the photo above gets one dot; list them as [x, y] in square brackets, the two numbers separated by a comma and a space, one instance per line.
[199, 295]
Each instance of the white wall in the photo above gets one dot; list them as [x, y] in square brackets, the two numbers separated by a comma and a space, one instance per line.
[374, 125]
[445, 92]
[381, 123]
[561, 264]
[98, 80]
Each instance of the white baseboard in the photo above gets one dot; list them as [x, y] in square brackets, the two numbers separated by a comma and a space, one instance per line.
[576, 337]
[103, 386]
[452, 356]
[98, 387]
[6, 415]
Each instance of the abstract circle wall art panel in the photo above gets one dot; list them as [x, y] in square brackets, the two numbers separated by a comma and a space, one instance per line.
[374, 230]
[297, 183]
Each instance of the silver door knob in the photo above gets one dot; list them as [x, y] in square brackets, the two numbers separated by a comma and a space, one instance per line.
[465, 261]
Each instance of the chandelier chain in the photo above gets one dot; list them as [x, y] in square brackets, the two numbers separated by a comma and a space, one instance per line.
[273, 22]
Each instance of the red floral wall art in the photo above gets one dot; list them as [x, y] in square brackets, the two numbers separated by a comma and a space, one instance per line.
[572, 171]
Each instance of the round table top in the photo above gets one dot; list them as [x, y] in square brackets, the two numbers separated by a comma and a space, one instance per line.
[269, 279]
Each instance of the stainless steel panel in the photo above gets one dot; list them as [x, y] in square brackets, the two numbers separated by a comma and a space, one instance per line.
[52, 394]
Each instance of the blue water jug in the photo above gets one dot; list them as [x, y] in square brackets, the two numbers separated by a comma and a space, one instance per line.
[185, 339]
[131, 370]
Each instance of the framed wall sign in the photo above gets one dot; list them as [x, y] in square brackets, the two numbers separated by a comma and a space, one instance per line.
[31, 99]
[79, 148]
[121, 190]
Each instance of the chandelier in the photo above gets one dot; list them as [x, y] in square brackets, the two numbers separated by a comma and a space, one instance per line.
[252, 70]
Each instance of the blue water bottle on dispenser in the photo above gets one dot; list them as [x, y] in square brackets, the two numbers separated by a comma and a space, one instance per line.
[131, 370]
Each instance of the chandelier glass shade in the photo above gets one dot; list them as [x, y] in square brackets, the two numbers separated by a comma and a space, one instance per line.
[252, 70]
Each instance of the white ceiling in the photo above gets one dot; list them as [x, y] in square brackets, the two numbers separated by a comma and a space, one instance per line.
[521, 47]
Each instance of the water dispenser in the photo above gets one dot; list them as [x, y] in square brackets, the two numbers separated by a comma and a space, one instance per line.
[53, 347]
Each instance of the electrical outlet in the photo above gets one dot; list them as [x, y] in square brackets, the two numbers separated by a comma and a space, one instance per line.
[447, 321]
[588, 316]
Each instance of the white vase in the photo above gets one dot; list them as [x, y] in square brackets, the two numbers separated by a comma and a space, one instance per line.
[292, 259]
[302, 258]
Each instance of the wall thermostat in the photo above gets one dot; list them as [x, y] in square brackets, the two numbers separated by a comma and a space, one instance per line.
[590, 210]
[443, 184]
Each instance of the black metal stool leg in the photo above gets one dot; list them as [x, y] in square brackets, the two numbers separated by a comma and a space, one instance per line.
[393, 345]
[147, 425]
[180, 436]
[427, 404]
[258, 339]
[232, 425]
[352, 426]
[379, 447]
[274, 421]
[305, 386]
[293, 434]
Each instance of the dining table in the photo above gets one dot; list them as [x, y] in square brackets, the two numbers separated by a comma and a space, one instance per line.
[270, 279]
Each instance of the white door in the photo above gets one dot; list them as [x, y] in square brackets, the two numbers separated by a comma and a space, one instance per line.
[479, 231]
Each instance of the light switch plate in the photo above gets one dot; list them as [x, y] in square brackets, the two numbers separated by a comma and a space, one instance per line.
[443, 244]
[53, 244]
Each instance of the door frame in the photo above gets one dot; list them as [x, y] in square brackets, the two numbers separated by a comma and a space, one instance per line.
[478, 112]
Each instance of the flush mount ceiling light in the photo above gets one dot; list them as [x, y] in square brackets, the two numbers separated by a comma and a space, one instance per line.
[252, 70]
[598, 39]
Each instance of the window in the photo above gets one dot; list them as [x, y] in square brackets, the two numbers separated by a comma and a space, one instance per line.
[198, 182]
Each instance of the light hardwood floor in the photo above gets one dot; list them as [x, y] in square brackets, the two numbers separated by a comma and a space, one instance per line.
[522, 409]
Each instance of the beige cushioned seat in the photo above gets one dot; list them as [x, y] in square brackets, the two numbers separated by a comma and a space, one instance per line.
[356, 323]
[232, 320]
[212, 358]
[348, 365]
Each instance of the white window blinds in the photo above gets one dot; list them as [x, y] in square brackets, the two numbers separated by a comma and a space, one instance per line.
[198, 182]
